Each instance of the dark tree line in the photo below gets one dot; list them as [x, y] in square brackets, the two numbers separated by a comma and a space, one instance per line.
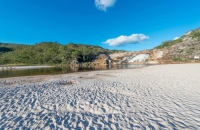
[49, 53]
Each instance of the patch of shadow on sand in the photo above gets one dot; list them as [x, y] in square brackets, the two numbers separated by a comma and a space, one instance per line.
[88, 77]
[105, 74]
[71, 82]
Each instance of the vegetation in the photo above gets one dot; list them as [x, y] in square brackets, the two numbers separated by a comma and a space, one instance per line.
[7, 47]
[177, 59]
[169, 43]
[49, 53]
[196, 34]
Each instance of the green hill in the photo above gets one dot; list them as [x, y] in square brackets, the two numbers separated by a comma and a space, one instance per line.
[49, 53]
[7, 47]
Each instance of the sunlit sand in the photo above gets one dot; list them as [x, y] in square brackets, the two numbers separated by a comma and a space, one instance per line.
[154, 97]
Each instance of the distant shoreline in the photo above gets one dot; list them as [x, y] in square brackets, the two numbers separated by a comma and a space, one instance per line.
[23, 67]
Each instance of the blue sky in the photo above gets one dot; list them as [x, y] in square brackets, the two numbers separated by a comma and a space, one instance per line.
[131, 25]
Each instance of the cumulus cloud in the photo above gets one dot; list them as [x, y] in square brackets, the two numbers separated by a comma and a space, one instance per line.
[123, 40]
[176, 38]
[104, 4]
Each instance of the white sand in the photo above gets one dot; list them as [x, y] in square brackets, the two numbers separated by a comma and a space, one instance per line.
[155, 97]
[23, 67]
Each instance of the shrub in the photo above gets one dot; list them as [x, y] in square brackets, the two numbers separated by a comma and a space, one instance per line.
[177, 59]
[169, 43]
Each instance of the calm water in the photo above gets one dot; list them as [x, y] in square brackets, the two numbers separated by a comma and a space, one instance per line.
[64, 70]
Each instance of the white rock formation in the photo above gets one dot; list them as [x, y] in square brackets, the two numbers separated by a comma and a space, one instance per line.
[139, 58]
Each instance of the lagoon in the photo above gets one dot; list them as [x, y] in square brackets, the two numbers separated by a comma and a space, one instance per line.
[31, 71]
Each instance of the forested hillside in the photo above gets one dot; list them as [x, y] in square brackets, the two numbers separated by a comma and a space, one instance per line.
[49, 53]
[7, 47]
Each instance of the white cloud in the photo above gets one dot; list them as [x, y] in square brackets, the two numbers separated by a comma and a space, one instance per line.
[104, 4]
[176, 38]
[123, 40]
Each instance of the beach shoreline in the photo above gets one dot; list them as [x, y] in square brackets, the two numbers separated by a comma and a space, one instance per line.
[22, 67]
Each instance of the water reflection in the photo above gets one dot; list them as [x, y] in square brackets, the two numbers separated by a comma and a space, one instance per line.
[63, 70]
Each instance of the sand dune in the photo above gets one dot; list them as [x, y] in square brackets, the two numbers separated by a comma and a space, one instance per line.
[155, 97]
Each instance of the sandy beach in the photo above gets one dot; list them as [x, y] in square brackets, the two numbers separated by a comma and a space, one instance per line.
[160, 97]
[22, 67]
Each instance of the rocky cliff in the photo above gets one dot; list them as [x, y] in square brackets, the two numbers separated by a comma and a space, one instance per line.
[181, 50]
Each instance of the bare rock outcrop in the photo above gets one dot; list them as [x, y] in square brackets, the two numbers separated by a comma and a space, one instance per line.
[102, 59]
[181, 50]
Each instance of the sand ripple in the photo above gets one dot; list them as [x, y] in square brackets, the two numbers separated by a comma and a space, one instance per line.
[157, 97]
